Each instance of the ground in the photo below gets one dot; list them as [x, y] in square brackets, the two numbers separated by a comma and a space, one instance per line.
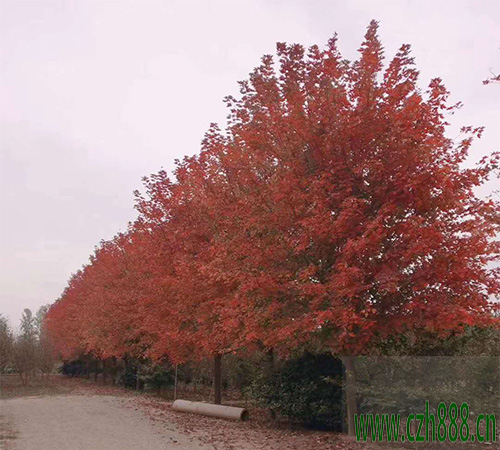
[86, 422]
[62, 414]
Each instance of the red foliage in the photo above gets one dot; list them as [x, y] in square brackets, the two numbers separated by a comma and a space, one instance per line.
[332, 211]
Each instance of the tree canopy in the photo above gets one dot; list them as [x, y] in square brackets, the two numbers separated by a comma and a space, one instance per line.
[331, 211]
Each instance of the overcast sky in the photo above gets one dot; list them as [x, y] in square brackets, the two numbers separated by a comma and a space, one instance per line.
[96, 94]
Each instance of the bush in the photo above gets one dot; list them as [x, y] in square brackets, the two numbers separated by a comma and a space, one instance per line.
[128, 376]
[307, 390]
[239, 372]
[72, 368]
[156, 377]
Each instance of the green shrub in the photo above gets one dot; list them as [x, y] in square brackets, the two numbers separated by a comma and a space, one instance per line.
[307, 390]
[156, 376]
[72, 368]
[128, 376]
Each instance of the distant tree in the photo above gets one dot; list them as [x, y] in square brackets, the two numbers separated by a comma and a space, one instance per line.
[28, 325]
[26, 346]
[40, 317]
[6, 343]
[45, 350]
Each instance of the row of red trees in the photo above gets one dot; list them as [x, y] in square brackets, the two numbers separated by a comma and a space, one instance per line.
[332, 212]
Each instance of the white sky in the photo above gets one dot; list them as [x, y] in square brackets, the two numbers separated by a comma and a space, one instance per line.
[96, 94]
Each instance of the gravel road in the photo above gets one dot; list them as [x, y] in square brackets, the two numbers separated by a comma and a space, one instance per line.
[79, 422]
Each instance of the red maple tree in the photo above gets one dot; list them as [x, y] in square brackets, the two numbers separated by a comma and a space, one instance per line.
[332, 211]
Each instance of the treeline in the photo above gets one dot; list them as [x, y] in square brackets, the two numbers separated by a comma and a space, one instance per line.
[28, 352]
[332, 215]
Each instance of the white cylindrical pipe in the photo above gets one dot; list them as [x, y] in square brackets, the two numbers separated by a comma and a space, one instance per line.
[208, 409]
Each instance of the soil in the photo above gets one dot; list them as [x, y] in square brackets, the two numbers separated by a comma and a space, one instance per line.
[62, 414]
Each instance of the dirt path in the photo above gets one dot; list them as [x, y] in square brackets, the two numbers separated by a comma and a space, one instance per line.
[87, 423]
[62, 414]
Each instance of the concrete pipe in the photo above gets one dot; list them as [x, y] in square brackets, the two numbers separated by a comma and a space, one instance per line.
[208, 409]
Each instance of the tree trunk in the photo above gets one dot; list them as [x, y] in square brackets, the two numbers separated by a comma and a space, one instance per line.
[104, 373]
[269, 368]
[218, 379]
[269, 362]
[175, 382]
[352, 407]
[96, 367]
[114, 371]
